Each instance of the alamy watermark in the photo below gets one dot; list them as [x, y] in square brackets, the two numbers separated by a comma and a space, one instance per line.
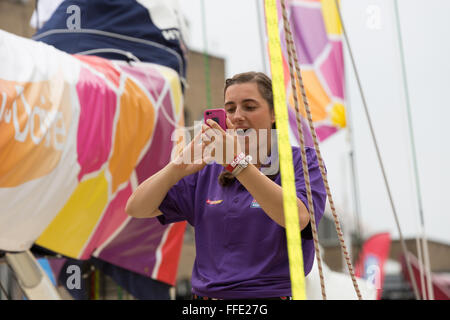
[74, 279]
[73, 22]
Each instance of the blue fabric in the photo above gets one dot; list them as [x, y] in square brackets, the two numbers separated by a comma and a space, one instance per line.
[121, 17]
[48, 270]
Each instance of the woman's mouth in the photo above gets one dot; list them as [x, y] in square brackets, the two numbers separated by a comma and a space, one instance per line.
[241, 131]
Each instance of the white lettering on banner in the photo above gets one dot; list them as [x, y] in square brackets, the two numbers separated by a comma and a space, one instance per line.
[38, 123]
[40, 113]
[57, 131]
[20, 136]
[171, 34]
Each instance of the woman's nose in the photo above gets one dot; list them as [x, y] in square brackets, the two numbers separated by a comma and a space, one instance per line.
[238, 114]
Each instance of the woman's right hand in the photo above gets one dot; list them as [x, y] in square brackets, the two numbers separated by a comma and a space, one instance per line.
[148, 196]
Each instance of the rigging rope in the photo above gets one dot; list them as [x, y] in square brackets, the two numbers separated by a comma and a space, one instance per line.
[421, 273]
[403, 245]
[290, 206]
[414, 159]
[290, 44]
[322, 168]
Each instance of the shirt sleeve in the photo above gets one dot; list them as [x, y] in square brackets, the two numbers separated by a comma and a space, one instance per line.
[179, 203]
[318, 191]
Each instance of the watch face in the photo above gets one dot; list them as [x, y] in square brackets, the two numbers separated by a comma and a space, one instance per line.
[243, 163]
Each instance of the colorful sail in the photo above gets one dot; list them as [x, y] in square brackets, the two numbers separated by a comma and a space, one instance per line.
[77, 135]
[317, 35]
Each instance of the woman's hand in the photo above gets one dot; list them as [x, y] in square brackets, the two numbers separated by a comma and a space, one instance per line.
[219, 145]
[146, 199]
[190, 159]
[211, 144]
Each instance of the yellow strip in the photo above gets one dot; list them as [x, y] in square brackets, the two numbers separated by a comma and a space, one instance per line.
[285, 153]
[331, 17]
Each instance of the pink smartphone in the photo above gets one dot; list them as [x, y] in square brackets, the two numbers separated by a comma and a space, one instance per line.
[218, 115]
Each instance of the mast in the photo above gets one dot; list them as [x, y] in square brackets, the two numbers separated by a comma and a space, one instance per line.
[262, 32]
[206, 56]
[354, 175]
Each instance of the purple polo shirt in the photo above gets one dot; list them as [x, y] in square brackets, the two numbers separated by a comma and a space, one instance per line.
[241, 252]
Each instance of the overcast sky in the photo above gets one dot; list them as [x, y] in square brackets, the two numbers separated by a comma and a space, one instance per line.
[232, 32]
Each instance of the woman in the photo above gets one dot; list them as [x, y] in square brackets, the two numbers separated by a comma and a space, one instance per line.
[237, 212]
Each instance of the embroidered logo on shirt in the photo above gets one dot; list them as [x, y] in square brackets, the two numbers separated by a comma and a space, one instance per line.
[254, 204]
[213, 201]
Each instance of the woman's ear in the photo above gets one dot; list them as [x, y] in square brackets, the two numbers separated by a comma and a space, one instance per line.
[272, 118]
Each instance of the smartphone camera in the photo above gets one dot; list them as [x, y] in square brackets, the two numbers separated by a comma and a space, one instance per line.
[214, 118]
[218, 115]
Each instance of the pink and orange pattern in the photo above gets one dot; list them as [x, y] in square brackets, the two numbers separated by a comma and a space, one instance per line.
[318, 42]
[77, 135]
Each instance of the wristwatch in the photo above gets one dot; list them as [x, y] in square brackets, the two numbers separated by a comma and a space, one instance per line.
[241, 165]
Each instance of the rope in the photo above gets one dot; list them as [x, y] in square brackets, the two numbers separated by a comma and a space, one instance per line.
[322, 170]
[290, 44]
[414, 158]
[402, 241]
[421, 273]
[427, 267]
[290, 206]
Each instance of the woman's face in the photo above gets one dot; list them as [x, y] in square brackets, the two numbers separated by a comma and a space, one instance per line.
[246, 108]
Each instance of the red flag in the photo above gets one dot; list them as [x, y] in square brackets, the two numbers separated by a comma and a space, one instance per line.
[440, 282]
[371, 261]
